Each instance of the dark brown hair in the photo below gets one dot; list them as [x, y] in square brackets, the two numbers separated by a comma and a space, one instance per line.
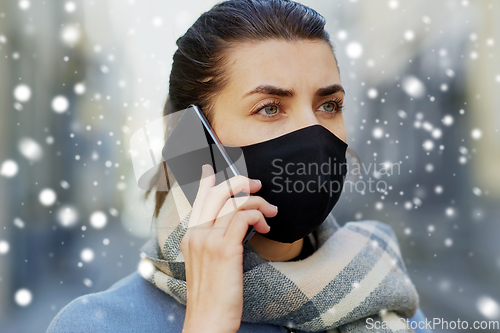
[199, 64]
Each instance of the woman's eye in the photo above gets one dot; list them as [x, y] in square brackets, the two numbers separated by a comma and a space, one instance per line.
[330, 107]
[270, 109]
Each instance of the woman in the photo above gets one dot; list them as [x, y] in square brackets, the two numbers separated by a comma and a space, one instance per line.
[266, 77]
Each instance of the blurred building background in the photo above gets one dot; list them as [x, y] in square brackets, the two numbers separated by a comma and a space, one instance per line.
[78, 78]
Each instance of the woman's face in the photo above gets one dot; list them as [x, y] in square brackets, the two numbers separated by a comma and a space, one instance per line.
[303, 89]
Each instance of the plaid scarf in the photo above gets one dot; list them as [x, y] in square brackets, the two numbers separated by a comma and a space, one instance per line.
[354, 279]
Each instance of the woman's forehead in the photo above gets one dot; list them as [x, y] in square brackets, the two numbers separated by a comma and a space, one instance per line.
[282, 63]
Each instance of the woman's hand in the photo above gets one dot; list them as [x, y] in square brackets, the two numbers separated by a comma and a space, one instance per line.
[213, 251]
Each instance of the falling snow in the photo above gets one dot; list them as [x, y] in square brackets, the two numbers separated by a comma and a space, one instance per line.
[22, 93]
[60, 104]
[24, 4]
[98, 220]
[19, 223]
[70, 6]
[378, 133]
[413, 87]
[80, 88]
[145, 268]
[23, 297]
[9, 168]
[448, 120]
[67, 216]
[87, 255]
[30, 149]
[476, 134]
[488, 307]
[354, 50]
[47, 197]
[70, 35]
[4, 246]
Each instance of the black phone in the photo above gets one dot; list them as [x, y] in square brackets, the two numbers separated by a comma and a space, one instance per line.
[193, 143]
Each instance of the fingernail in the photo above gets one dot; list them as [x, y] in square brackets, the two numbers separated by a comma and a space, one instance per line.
[204, 170]
[275, 207]
[256, 181]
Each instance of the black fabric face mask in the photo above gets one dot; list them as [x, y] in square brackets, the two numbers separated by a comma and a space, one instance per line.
[302, 172]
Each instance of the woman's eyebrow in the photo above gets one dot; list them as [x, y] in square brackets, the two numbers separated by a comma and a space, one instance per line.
[332, 89]
[273, 90]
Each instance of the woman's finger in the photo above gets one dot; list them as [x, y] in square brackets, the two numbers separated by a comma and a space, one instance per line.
[238, 226]
[207, 181]
[219, 194]
[244, 203]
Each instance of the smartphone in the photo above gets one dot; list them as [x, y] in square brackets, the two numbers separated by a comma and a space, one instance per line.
[193, 143]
